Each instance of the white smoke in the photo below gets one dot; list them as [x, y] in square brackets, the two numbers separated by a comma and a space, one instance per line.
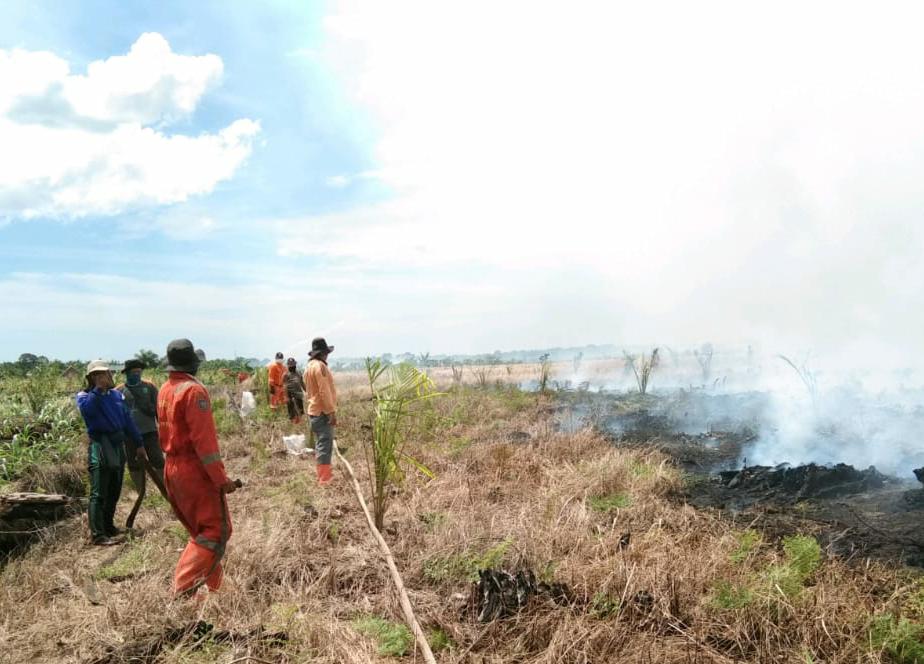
[844, 424]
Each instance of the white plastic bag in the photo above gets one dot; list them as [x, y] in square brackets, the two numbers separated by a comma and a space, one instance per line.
[295, 444]
[248, 404]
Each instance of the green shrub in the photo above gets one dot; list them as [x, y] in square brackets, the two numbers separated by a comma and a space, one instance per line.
[394, 639]
[40, 388]
[899, 637]
[28, 441]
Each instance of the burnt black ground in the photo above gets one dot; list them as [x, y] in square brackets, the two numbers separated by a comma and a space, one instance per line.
[855, 513]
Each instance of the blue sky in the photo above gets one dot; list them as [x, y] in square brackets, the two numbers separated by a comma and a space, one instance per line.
[420, 176]
[308, 135]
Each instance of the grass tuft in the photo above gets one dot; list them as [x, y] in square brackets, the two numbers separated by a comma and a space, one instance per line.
[748, 541]
[899, 637]
[394, 639]
[464, 566]
[610, 502]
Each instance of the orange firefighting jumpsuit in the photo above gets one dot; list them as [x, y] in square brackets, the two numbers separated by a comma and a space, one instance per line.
[276, 373]
[194, 474]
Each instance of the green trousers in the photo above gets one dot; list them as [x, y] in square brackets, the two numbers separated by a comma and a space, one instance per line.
[106, 464]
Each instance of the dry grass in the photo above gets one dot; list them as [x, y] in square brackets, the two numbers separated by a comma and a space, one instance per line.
[302, 562]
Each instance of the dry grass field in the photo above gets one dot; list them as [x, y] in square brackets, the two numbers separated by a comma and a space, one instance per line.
[646, 577]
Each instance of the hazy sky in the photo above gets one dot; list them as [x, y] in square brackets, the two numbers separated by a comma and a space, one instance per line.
[460, 176]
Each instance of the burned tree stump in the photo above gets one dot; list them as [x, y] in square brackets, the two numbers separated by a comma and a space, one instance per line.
[499, 594]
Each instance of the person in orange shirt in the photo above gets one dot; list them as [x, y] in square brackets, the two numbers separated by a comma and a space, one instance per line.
[194, 473]
[322, 406]
[276, 373]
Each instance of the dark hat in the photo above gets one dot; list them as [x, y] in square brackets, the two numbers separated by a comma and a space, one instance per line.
[319, 347]
[291, 362]
[132, 364]
[279, 356]
[182, 356]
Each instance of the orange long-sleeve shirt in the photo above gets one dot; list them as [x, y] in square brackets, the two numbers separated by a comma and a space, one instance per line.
[187, 429]
[322, 395]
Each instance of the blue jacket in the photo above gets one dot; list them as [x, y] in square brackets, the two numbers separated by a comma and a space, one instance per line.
[107, 414]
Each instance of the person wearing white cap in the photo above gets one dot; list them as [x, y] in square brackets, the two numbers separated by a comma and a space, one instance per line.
[108, 425]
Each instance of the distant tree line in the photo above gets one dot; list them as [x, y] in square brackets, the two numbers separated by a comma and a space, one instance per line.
[29, 363]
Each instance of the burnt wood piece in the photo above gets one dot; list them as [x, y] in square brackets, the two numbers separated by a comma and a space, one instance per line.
[25, 515]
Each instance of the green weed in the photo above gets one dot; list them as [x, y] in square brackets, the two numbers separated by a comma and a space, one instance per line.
[297, 489]
[432, 520]
[394, 639]
[899, 637]
[204, 652]
[458, 445]
[728, 597]
[177, 531]
[133, 562]
[547, 573]
[282, 615]
[748, 540]
[610, 502]
[227, 420]
[604, 606]
[802, 558]
[439, 640]
[259, 455]
[641, 469]
[464, 566]
[153, 499]
[516, 400]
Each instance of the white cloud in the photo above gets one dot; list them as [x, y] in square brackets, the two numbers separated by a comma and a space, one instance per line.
[337, 181]
[77, 145]
[713, 168]
[187, 227]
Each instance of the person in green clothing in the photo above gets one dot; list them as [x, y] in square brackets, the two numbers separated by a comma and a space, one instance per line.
[141, 401]
[108, 425]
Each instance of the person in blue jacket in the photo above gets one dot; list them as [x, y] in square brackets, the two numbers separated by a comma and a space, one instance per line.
[108, 425]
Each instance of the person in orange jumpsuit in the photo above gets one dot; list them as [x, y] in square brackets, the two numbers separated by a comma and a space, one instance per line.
[194, 473]
[276, 372]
